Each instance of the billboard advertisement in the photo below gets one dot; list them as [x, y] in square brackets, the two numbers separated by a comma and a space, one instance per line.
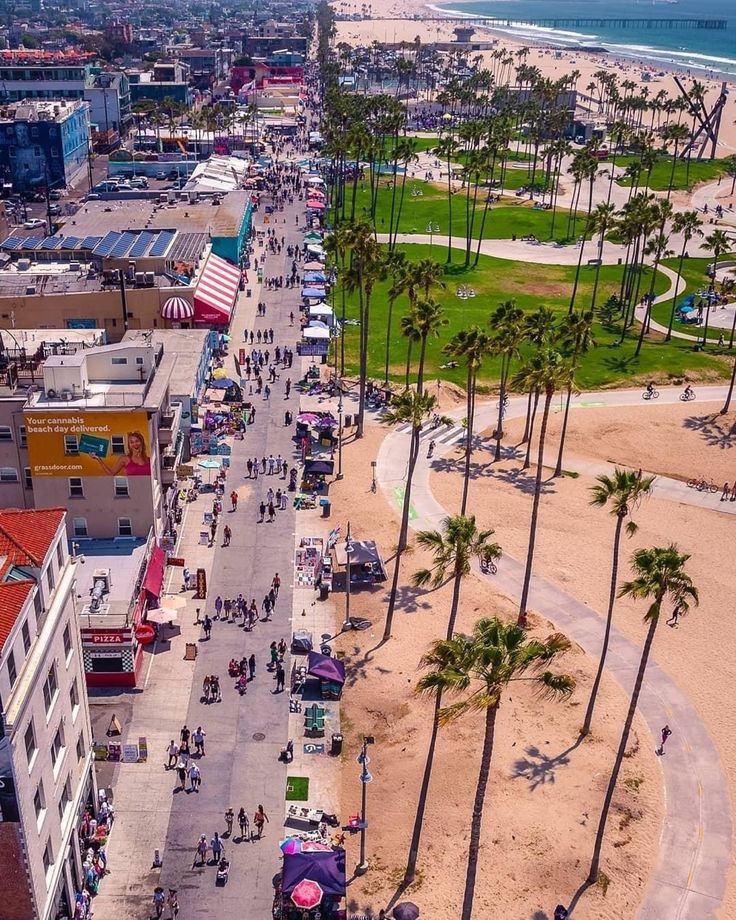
[88, 443]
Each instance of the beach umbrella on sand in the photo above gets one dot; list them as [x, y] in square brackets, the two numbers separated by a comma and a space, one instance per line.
[407, 910]
[307, 894]
[291, 845]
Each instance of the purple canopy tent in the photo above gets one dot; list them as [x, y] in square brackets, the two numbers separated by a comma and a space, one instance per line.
[327, 869]
[326, 668]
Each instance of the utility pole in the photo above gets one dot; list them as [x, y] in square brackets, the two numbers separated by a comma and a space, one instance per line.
[123, 299]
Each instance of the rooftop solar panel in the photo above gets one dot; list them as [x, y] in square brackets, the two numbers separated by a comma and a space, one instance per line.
[89, 242]
[162, 243]
[120, 248]
[13, 241]
[71, 242]
[105, 246]
[51, 242]
[141, 244]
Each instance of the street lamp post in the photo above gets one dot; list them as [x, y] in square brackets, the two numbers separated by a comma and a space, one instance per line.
[432, 228]
[365, 778]
[348, 550]
[339, 437]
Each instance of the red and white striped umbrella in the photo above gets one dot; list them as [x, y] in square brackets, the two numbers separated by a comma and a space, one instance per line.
[177, 309]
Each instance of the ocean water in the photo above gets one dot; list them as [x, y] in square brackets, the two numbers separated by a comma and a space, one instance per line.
[698, 50]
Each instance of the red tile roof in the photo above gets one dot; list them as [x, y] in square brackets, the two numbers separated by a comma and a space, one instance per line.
[25, 539]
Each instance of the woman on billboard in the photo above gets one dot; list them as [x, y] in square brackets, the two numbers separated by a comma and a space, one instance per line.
[135, 462]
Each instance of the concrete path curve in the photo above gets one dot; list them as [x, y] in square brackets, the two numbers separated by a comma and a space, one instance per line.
[689, 879]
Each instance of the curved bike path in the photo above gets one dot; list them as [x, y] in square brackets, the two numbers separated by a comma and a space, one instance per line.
[689, 879]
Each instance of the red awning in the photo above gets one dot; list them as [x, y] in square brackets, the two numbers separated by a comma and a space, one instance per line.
[217, 290]
[154, 577]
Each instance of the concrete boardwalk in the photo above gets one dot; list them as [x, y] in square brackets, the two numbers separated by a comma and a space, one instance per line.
[695, 848]
[244, 735]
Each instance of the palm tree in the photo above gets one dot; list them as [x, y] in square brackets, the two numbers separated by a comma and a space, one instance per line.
[473, 346]
[622, 493]
[576, 337]
[688, 224]
[337, 244]
[656, 247]
[506, 321]
[548, 375]
[396, 270]
[478, 670]
[600, 222]
[453, 549]
[367, 268]
[729, 395]
[411, 407]
[717, 243]
[659, 574]
[447, 149]
[429, 320]
[538, 329]
[677, 133]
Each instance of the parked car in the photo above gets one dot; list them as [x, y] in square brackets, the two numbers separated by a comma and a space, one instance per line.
[55, 194]
[34, 223]
[138, 182]
[54, 209]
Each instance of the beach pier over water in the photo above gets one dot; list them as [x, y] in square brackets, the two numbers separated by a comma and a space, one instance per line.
[595, 22]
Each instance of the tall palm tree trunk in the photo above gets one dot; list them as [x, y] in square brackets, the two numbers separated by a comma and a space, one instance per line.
[563, 433]
[416, 836]
[607, 632]
[527, 459]
[468, 439]
[525, 436]
[477, 819]
[535, 511]
[621, 753]
[675, 295]
[729, 395]
[388, 340]
[505, 363]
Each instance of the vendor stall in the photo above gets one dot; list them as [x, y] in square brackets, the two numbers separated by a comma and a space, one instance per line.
[312, 885]
[330, 672]
[366, 565]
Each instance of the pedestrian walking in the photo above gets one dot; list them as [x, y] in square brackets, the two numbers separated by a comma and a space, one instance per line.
[184, 739]
[282, 648]
[234, 500]
[215, 688]
[217, 848]
[271, 512]
[181, 772]
[675, 616]
[280, 677]
[271, 465]
[726, 492]
[172, 751]
[195, 777]
[266, 607]
[261, 511]
[249, 465]
[218, 607]
[288, 387]
[263, 465]
[666, 732]
[276, 584]
[229, 818]
[201, 850]
[206, 687]
[207, 626]
[159, 899]
[269, 496]
[198, 738]
[267, 392]
[227, 535]
[173, 903]
[243, 823]
[259, 819]
[213, 531]
[252, 666]
[279, 463]
[274, 653]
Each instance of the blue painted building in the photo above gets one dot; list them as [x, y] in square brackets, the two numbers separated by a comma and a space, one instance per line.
[44, 143]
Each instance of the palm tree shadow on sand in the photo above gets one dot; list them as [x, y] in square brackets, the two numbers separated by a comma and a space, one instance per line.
[540, 769]
[714, 430]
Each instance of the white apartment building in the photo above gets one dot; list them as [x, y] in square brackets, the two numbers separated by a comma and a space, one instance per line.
[46, 769]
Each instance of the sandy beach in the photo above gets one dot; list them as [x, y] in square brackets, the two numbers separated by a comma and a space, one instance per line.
[552, 62]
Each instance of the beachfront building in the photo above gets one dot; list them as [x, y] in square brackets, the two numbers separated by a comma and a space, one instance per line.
[34, 74]
[46, 766]
[44, 143]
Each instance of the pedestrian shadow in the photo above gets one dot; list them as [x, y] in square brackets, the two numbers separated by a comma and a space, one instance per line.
[540, 915]
[355, 662]
[411, 600]
[525, 481]
[714, 430]
[538, 768]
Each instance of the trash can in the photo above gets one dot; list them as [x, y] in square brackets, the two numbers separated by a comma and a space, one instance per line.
[326, 507]
[324, 592]
[336, 748]
[348, 421]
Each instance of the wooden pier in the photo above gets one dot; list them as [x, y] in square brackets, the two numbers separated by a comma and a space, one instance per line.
[593, 22]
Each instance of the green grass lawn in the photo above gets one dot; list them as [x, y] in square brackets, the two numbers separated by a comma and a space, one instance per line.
[699, 171]
[496, 280]
[429, 204]
[693, 273]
